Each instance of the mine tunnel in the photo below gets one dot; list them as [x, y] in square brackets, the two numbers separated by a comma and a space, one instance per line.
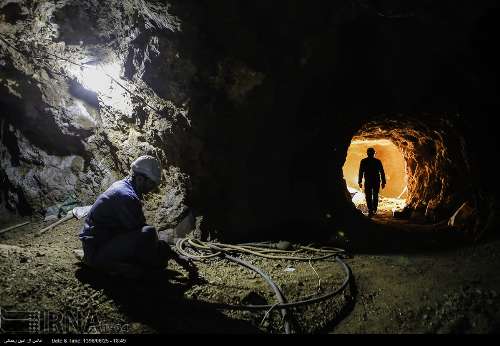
[393, 197]
[257, 115]
[424, 164]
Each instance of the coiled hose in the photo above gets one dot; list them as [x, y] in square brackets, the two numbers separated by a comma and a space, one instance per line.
[274, 287]
[257, 249]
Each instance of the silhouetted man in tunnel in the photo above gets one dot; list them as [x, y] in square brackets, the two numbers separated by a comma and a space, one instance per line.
[373, 172]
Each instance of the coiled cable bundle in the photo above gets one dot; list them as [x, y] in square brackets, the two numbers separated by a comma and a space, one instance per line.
[198, 250]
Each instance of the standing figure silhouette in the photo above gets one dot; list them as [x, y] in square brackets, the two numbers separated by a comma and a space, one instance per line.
[373, 171]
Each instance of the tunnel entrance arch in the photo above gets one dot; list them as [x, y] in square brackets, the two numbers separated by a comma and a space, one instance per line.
[392, 198]
[436, 174]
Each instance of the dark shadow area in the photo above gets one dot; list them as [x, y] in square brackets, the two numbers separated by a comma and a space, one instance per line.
[370, 237]
[12, 13]
[158, 302]
[77, 90]
[40, 128]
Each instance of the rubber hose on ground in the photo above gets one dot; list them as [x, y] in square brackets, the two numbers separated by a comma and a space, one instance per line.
[271, 283]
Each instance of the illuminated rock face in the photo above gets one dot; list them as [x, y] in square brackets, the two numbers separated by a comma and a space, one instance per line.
[438, 173]
[65, 99]
[250, 106]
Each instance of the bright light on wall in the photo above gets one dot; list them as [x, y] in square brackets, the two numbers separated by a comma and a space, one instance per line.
[98, 78]
[102, 79]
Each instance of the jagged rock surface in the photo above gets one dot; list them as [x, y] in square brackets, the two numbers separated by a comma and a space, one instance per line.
[250, 106]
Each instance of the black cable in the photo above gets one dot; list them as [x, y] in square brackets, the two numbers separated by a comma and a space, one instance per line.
[292, 304]
[305, 301]
[275, 288]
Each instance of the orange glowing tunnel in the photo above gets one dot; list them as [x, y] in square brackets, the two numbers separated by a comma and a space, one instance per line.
[393, 196]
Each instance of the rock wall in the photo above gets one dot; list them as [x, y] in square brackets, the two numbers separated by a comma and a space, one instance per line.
[249, 106]
[71, 122]
[439, 176]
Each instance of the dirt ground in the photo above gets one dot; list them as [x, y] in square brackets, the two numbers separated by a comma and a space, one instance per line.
[436, 291]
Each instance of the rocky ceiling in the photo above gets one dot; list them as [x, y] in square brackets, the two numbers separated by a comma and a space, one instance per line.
[250, 106]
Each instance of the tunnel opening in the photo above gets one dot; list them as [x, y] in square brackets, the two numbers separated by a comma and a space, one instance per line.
[392, 198]
[424, 157]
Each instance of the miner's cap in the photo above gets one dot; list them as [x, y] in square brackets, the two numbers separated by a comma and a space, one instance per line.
[148, 166]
